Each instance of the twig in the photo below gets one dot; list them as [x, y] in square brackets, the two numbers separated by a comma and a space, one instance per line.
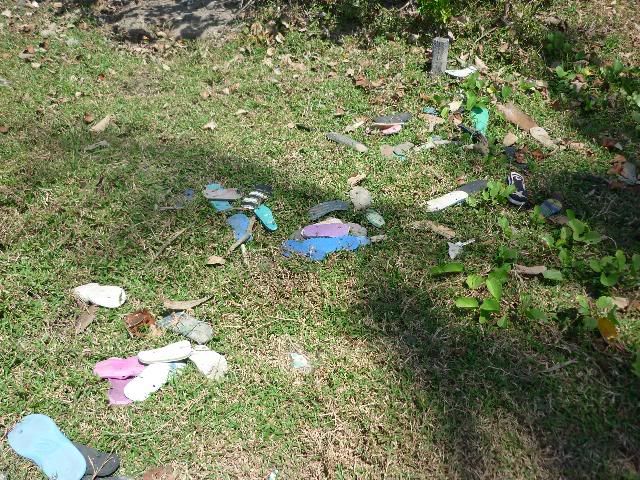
[244, 237]
[245, 257]
[559, 366]
[168, 242]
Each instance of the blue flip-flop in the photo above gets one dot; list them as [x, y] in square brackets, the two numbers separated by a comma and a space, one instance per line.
[265, 215]
[219, 205]
[319, 247]
[240, 224]
[38, 439]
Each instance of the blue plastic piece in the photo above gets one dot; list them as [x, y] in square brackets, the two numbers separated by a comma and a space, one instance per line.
[38, 438]
[265, 215]
[430, 110]
[480, 117]
[219, 205]
[318, 248]
[240, 224]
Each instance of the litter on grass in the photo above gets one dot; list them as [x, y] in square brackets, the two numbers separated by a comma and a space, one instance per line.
[455, 249]
[457, 196]
[300, 362]
[187, 326]
[462, 73]
[347, 141]
[108, 296]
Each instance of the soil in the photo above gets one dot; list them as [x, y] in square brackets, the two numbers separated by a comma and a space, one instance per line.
[135, 20]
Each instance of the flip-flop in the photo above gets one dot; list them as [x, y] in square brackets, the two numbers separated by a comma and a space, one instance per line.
[390, 120]
[550, 207]
[169, 353]
[210, 363]
[37, 438]
[347, 141]
[322, 209]
[256, 196]
[239, 223]
[118, 368]
[108, 296]
[116, 394]
[222, 194]
[480, 117]
[99, 464]
[519, 197]
[190, 327]
[219, 205]
[152, 378]
[325, 230]
[319, 248]
[374, 218]
[265, 215]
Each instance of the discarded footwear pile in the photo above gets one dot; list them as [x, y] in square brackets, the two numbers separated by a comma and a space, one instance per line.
[134, 379]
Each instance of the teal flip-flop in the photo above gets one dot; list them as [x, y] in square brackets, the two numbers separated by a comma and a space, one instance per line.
[38, 439]
[265, 216]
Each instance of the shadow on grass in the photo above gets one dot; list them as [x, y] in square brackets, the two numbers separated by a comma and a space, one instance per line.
[492, 392]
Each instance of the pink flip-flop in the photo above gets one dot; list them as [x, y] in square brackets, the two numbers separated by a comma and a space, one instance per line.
[325, 230]
[116, 391]
[118, 368]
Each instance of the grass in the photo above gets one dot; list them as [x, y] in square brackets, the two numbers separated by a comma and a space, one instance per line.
[405, 385]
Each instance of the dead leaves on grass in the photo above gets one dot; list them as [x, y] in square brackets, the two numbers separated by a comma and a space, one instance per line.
[86, 318]
[140, 320]
[185, 304]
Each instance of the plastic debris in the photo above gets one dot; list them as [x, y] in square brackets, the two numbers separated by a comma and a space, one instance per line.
[446, 232]
[550, 207]
[108, 296]
[319, 248]
[401, 150]
[457, 196]
[324, 208]
[222, 194]
[347, 141]
[387, 121]
[393, 129]
[509, 139]
[480, 117]
[265, 215]
[541, 135]
[462, 73]
[531, 271]
[219, 205]
[360, 198]
[374, 218]
[300, 362]
[97, 145]
[188, 326]
[456, 248]
[325, 230]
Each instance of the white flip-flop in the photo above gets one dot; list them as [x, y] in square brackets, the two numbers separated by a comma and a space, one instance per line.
[170, 353]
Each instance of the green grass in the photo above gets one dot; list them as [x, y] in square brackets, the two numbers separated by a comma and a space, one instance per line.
[405, 385]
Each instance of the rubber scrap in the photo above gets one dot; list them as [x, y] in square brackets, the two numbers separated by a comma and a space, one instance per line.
[325, 208]
[374, 218]
[222, 194]
[360, 198]
[219, 205]
[190, 327]
[480, 118]
[550, 207]
[265, 215]
[319, 248]
[386, 121]
[325, 230]
[347, 141]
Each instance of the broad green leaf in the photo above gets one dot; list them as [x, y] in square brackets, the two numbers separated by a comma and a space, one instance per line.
[607, 329]
[609, 280]
[490, 305]
[495, 287]
[535, 314]
[635, 263]
[452, 267]
[501, 274]
[591, 237]
[466, 302]
[548, 239]
[595, 265]
[605, 303]
[621, 259]
[577, 226]
[474, 281]
[552, 274]
[483, 318]
[503, 321]
[504, 225]
[583, 302]
[507, 254]
[565, 257]
[589, 322]
[571, 215]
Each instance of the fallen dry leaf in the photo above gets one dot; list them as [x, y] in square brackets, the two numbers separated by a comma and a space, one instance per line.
[386, 151]
[509, 139]
[455, 106]
[356, 179]
[541, 135]
[621, 302]
[271, 51]
[516, 116]
[558, 219]
[88, 118]
[95, 146]
[446, 232]
[535, 270]
[353, 127]
[216, 260]
[137, 321]
[607, 329]
[210, 126]
[432, 121]
[611, 143]
[241, 112]
[160, 473]
[185, 304]
[85, 318]
[480, 65]
[339, 112]
[4, 129]
[102, 124]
